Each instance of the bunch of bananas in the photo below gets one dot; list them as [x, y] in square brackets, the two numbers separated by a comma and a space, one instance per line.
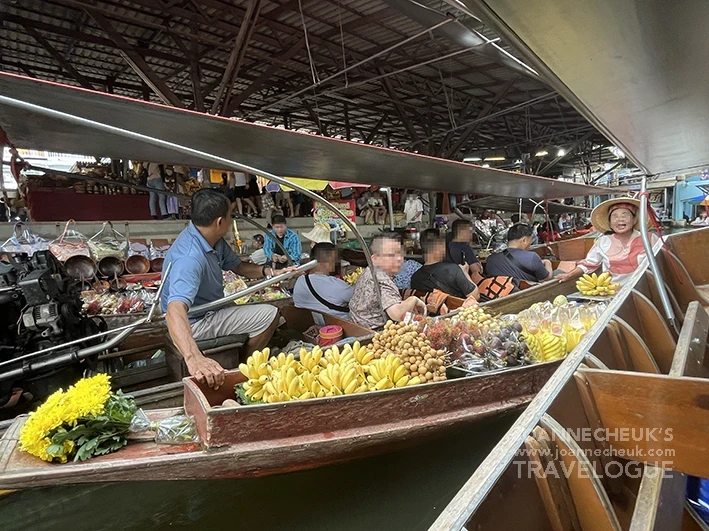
[596, 284]
[319, 374]
[573, 337]
[345, 379]
[389, 372]
[353, 275]
[553, 347]
[535, 347]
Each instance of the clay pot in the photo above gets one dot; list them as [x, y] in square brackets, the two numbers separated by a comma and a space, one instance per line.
[80, 267]
[118, 284]
[137, 265]
[156, 264]
[110, 266]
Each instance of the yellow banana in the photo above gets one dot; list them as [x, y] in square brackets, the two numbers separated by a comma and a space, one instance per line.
[399, 373]
[351, 387]
[403, 381]
[414, 381]
[325, 380]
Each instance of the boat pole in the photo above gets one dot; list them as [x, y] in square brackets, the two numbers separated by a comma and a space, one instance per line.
[220, 161]
[387, 189]
[661, 288]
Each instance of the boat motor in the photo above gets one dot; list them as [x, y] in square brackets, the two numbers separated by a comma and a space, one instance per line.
[39, 308]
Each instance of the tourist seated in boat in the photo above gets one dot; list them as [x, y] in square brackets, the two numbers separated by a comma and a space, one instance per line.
[197, 258]
[517, 261]
[257, 256]
[366, 309]
[459, 250]
[702, 220]
[620, 249]
[288, 238]
[318, 289]
[437, 274]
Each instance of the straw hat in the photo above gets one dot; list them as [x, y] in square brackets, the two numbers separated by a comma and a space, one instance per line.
[320, 233]
[600, 217]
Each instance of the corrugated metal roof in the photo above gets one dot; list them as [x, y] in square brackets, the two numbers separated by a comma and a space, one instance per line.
[277, 63]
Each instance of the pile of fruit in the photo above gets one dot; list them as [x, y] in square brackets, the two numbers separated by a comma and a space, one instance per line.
[353, 275]
[407, 343]
[553, 330]
[478, 341]
[596, 284]
[318, 373]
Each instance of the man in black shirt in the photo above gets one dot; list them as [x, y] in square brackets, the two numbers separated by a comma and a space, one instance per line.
[459, 250]
[437, 274]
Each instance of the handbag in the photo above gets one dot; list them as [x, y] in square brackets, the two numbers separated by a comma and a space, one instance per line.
[108, 242]
[70, 243]
[24, 240]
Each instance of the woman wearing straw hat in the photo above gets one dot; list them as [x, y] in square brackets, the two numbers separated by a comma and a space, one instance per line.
[320, 233]
[620, 250]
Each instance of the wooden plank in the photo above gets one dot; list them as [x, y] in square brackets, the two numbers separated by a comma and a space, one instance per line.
[655, 332]
[669, 415]
[661, 499]
[593, 507]
[691, 248]
[679, 281]
[552, 489]
[638, 353]
[691, 346]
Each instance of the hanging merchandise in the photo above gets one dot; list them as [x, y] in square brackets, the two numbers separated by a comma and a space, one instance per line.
[108, 242]
[158, 249]
[70, 243]
[24, 240]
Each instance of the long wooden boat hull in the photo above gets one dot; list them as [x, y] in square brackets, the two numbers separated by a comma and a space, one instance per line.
[635, 340]
[365, 424]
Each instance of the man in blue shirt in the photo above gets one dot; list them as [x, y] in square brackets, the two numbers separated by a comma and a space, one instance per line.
[198, 257]
[517, 261]
[288, 238]
[320, 291]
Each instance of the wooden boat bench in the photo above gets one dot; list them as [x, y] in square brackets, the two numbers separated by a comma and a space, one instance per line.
[225, 350]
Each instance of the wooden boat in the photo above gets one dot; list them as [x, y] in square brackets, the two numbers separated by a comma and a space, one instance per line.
[633, 372]
[278, 438]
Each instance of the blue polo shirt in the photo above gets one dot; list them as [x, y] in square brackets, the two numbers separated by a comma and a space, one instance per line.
[196, 274]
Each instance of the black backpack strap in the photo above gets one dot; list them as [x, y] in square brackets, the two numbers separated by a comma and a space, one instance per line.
[517, 264]
[327, 304]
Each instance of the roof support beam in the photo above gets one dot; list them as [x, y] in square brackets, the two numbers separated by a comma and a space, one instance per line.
[400, 109]
[236, 57]
[545, 170]
[136, 62]
[348, 132]
[260, 81]
[483, 113]
[322, 127]
[373, 133]
[66, 65]
[449, 136]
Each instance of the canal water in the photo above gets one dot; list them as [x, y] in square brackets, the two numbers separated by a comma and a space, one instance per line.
[402, 490]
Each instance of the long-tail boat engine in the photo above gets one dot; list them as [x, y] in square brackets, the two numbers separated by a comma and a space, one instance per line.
[39, 308]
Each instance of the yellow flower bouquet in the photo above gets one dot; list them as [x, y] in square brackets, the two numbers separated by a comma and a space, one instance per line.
[87, 419]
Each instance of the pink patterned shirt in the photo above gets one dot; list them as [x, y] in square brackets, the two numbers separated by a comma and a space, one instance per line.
[618, 259]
